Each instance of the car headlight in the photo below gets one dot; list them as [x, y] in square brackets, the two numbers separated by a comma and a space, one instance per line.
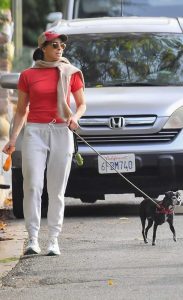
[175, 120]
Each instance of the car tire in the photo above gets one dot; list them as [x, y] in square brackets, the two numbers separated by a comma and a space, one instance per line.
[91, 198]
[17, 195]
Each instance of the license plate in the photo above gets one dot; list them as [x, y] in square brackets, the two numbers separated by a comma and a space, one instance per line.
[123, 163]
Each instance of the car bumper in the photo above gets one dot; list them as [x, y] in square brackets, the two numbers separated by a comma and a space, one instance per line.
[155, 174]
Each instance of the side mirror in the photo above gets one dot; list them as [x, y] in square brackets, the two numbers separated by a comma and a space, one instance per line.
[9, 80]
[53, 17]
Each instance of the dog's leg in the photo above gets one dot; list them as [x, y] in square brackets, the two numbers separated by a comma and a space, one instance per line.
[172, 230]
[143, 221]
[150, 222]
[154, 234]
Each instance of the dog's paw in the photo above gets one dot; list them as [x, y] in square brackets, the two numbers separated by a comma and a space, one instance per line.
[153, 244]
[175, 239]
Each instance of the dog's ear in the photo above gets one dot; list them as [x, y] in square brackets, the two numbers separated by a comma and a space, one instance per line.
[177, 194]
[168, 194]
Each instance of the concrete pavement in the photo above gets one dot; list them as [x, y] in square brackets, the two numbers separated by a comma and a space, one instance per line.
[11, 248]
[102, 257]
[15, 235]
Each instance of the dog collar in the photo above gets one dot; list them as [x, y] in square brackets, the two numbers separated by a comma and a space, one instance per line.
[162, 210]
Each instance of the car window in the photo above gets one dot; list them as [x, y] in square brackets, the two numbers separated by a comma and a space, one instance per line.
[128, 59]
[152, 8]
[98, 8]
[95, 8]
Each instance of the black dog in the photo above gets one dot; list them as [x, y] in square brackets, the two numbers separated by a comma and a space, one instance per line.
[159, 214]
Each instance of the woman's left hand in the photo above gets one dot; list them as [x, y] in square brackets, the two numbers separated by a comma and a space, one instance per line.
[72, 122]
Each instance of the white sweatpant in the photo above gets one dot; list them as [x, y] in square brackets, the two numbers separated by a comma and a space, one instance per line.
[45, 146]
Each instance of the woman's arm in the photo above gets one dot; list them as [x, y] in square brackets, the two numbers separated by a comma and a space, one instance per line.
[80, 109]
[19, 120]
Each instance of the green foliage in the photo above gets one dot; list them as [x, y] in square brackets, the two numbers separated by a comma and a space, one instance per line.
[34, 18]
[4, 4]
[8, 260]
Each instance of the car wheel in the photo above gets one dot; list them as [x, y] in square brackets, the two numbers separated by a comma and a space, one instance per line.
[17, 192]
[17, 195]
[91, 198]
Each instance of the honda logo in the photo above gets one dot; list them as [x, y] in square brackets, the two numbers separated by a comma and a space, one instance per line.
[116, 122]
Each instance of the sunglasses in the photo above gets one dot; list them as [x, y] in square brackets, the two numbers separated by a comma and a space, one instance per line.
[57, 45]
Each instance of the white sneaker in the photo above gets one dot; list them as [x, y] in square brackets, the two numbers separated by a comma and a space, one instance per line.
[32, 247]
[53, 247]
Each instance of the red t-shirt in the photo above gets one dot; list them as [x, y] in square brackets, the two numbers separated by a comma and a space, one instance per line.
[41, 86]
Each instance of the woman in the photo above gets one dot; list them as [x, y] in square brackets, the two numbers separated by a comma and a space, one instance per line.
[44, 102]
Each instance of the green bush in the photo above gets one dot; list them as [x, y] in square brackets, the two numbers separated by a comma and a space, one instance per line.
[34, 18]
[5, 4]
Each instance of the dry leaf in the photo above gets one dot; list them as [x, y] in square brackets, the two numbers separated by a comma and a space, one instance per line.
[2, 225]
[110, 282]
[8, 202]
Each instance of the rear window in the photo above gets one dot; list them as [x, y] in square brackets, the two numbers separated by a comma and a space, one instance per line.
[97, 8]
[128, 59]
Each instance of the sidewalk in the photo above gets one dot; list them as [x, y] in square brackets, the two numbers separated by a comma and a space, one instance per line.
[13, 235]
[11, 245]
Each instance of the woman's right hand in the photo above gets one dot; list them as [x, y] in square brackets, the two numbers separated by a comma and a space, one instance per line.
[9, 148]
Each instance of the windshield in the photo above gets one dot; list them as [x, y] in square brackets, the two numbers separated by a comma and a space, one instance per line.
[98, 8]
[128, 59]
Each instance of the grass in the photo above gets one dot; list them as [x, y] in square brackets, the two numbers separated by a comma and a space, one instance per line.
[8, 259]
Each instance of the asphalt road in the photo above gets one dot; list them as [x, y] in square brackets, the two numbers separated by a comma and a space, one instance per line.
[103, 257]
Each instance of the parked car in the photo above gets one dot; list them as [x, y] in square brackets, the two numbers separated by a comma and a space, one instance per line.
[133, 68]
[73, 9]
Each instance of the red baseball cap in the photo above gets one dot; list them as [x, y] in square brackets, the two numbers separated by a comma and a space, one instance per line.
[48, 36]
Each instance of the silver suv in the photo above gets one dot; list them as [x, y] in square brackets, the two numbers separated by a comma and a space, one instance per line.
[73, 9]
[133, 68]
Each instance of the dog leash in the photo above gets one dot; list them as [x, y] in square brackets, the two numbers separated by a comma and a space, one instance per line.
[120, 174]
